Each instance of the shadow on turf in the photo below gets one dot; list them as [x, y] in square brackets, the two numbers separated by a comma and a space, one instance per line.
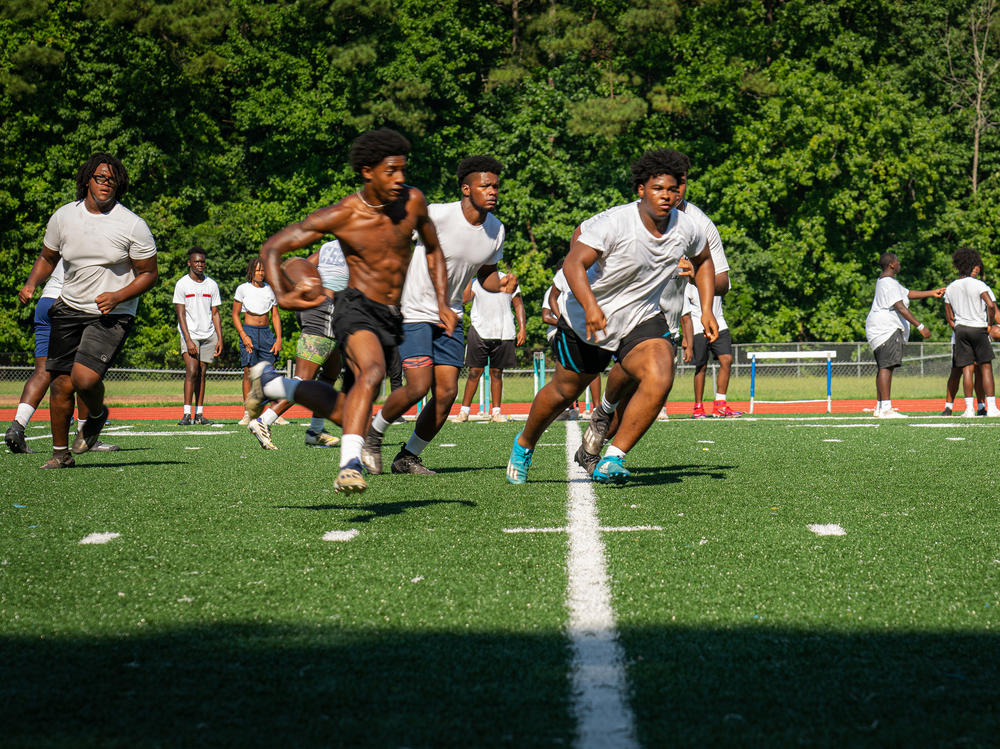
[379, 509]
[250, 685]
[660, 475]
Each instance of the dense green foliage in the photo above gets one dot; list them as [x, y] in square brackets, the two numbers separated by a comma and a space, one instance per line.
[821, 134]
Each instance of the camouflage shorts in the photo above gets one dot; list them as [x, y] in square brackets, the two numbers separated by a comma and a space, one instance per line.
[314, 348]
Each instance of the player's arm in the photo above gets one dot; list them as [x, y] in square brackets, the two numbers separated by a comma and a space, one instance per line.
[276, 321]
[687, 337]
[936, 293]
[489, 278]
[905, 313]
[949, 315]
[550, 314]
[467, 295]
[217, 324]
[522, 333]
[704, 279]
[45, 263]
[580, 258]
[436, 266]
[244, 338]
[181, 310]
[294, 237]
[722, 283]
[991, 308]
[146, 274]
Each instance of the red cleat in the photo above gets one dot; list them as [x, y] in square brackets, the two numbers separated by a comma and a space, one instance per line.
[723, 411]
[699, 412]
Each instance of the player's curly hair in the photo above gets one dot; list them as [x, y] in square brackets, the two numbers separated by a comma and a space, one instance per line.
[965, 259]
[368, 149]
[196, 250]
[654, 163]
[886, 259]
[476, 164]
[87, 169]
[252, 267]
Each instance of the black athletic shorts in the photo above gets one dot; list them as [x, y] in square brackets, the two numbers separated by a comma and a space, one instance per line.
[92, 340]
[577, 355]
[317, 320]
[890, 354]
[719, 347]
[654, 327]
[353, 311]
[496, 352]
[972, 346]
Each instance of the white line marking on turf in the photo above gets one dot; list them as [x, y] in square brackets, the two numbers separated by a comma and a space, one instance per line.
[447, 444]
[177, 433]
[599, 687]
[99, 538]
[833, 440]
[954, 424]
[602, 529]
[831, 426]
[830, 529]
[341, 535]
[706, 442]
[955, 439]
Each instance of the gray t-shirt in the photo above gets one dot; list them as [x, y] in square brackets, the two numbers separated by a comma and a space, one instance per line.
[97, 250]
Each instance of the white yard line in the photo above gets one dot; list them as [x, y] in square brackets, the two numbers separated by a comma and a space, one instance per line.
[602, 529]
[598, 682]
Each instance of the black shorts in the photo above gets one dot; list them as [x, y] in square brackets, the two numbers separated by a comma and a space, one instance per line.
[498, 353]
[579, 356]
[317, 320]
[890, 354]
[972, 346]
[654, 327]
[80, 337]
[721, 346]
[353, 311]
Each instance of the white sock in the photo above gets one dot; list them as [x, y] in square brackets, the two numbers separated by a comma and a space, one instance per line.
[885, 405]
[720, 397]
[416, 445]
[614, 452]
[350, 448]
[379, 424]
[24, 413]
[268, 417]
[278, 388]
[465, 409]
[316, 424]
[79, 423]
[991, 402]
[199, 410]
[187, 409]
[981, 404]
[57, 448]
[496, 409]
[246, 414]
[970, 404]
[949, 405]
[607, 406]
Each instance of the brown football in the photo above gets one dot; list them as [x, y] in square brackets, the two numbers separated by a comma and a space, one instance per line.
[995, 332]
[298, 270]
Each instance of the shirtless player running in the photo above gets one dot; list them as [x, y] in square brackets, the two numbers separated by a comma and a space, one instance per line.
[374, 226]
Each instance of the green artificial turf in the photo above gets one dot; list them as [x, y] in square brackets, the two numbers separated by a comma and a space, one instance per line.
[220, 616]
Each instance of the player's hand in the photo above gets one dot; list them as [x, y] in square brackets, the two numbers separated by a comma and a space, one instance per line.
[926, 333]
[995, 332]
[276, 347]
[305, 294]
[247, 343]
[106, 302]
[688, 354]
[25, 294]
[596, 322]
[711, 326]
[521, 337]
[938, 293]
[218, 347]
[509, 284]
[685, 269]
[449, 320]
[192, 350]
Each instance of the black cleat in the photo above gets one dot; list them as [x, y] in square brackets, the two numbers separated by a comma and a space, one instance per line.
[407, 462]
[86, 438]
[15, 439]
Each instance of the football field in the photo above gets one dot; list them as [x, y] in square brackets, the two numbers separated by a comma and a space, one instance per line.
[775, 581]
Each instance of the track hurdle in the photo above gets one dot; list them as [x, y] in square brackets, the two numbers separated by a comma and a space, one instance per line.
[798, 355]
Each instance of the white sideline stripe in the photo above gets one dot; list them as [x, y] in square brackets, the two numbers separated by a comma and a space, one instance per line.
[831, 440]
[830, 529]
[958, 424]
[602, 529]
[955, 439]
[99, 538]
[177, 433]
[831, 426]
[597, 673]
[341, 535]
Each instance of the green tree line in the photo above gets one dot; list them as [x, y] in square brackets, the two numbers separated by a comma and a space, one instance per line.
[821, 134]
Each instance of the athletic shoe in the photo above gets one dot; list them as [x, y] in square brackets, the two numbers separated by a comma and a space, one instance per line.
[185, 422]
[664, 416]
[586, 461]
[891, 413]
[611, 471]
[461, 417]
[63, 459]
[321, 440]
[86, 438]
[281, 421]
[593, 436]
[699, 412]
[371, 452]
[946, 412]
[498, 418]
[349, 479]
[993, 413]
[407, 462]
[981, 411]
[245, 421]
[722, 410]
[15, 438]
[202, 421]
[519, 463]
[260, 374]
[969, 413]
[262, 432]
[104, 447]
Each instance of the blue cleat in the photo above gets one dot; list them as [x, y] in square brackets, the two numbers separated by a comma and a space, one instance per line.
[519, 463]
[611, 471]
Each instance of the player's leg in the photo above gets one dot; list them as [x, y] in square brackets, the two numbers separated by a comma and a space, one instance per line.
[101, 341]
[190, 385]
[550, 402]
[700, 361]
[60, 416]
[477, 356]
[316, 434]
[471, 386]
[199, 405]
[723, 351]
[951, 389]
[606, 413]
[496, 394]
[31, 395]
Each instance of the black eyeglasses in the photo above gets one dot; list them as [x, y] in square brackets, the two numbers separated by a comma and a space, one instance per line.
[103, 180]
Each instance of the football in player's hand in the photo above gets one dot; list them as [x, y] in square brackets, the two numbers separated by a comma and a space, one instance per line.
[299, 272]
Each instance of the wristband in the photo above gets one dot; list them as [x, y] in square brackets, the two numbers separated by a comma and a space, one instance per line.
[920, 326]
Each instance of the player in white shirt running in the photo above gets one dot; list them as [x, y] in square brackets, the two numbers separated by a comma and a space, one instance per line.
[969, 310]
[636, 248]
[471, 240]
[197, 301]
[887, 327]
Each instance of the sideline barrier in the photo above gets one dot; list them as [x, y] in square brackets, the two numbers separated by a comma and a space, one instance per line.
[753, 356]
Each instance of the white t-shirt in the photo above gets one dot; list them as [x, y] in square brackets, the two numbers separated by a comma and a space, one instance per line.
[257, 300]
[332, 267]
[55, 283]
[198, 298]
[964, 296]
[98, 250]
[466, 249]
[547, 305]
[883, 321]
[632, 268]
[672, 298]
[692, 306]
[491, 314]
